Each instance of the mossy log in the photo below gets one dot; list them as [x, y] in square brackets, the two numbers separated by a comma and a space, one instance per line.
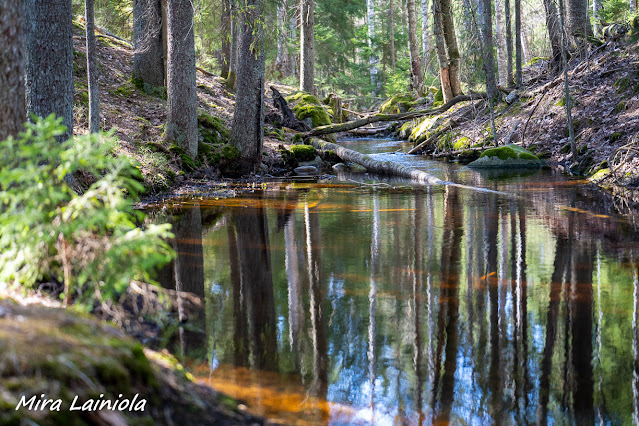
[325, 130]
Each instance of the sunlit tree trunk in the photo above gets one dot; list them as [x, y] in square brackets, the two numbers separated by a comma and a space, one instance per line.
[241, 349]
[225, 31]
[413, 47]
[181, 106]
[372, 298]
[489, 59]
[391, 11]
[577, 22]
[554, 32]
[372, 60]
[450, 37]
[92, 69]
[518, 45]
[295, 318]
[307, 46]
[501, 43]
[12, 96]
[418, 281]
[49, 60]
[148, 56]
[247, 131]
[509, 44]
[597, 7]
[442, 57]
[425, 36]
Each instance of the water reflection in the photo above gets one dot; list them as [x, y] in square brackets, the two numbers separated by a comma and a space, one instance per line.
[341, 304]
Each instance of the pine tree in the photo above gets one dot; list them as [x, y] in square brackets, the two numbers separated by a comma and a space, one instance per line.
[92, 69]
[12, 96]
[415, 63]
[148, 41]
[307, 46]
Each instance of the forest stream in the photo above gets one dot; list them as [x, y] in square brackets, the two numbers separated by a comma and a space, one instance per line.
[359, 301]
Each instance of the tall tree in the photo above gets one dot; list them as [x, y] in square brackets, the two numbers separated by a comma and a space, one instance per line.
[509, 44]
[448, 25]
[501, 43]
[440, 45]
[577, 21]
[12, 97]
[597, 7]
[225, 30]
[425, 35]
[282, 61]
[307, 46]
[489, 60]
[248, 119]
[518, 46]
[554, 32]
[235, 41]
[49, 60]
[181, 120]
[372, 59]
[413, 47]
[92, 69]
[391, 12]
[148, 56]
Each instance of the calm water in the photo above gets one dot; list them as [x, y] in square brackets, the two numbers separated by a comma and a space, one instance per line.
[341, 303]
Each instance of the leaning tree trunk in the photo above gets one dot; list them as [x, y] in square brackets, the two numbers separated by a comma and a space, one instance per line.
[307, 46]
[501, 43]
[49, 60]
[181, 120]
[554, 32]
[12, 97]
[448, 25]
[248, 119]
[92, 69]
[509, 44]
[148, 57]
[372, 59]
[415, 65]
[442, 57]
[225, 30]
[518, 45]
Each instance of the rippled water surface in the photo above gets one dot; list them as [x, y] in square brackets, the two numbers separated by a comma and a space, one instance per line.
[345, 303]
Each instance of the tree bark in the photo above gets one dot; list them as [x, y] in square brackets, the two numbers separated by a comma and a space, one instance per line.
[440, 45]
[489, 59]
[12, 96]
[518, 46]
[415, 65]
[392, 34]
[282, 60]
[577, 22]
[181, 121]
[248, 118]
[92, 69]
[231, 80]
[501, 43]
[225, 30]
[509, 44]
[425, 36]
[49, 60]
[307, 46]
[597, 7]
[450, 37]
[149, 56]
[372, 59]
[554, 32]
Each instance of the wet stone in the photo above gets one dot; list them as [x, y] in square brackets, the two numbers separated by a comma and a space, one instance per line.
[306, 170]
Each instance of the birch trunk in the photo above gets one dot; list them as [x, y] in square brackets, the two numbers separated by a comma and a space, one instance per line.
[181, 120]
[92, 69]
[425, 35]
[415, 65]
[597, 7]
[49, 60]
[307, 46]
[12, 96]
[248, 119]
[501, 43]
[372, 60]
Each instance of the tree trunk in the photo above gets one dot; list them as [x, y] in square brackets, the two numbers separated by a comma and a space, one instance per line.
[372, 60]
[49, 60]
[568, 103]
[501, 43]
[577, 22]
[415, 65]
[448, 25]
[489, 59]
[181, 120]
[235, 41]
[442, 57]
[282, 61]
[248, 119]
[225, 30]
[425, 36]
[597, 7]
[554, 32]
[149, 55]
[392, 34]
[307, 46]
[92, 69]
[509, 44]
[12, 96]
[518, 46]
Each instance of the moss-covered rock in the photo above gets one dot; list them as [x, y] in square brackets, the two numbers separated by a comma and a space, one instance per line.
[304, 152]
[305, 106]
[397, 104]
[507, 156]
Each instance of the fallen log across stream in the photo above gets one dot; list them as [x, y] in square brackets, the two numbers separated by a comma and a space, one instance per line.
[350, 125]
[390, 168]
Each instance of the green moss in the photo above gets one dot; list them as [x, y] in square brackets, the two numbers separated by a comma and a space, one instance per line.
[125, 90]
[298, 138]
[439, 96]
[304, 152]
[461, 143]
[536, 60]
[509, 152]
[277, 134]
[621, 107]
[398, 103]
[229, 152]
[306, 105]
[599, 175]
[207, 90]
[616, 136]
[215, 124]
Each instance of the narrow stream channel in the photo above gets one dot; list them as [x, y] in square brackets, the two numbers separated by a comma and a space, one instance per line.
[340, 303]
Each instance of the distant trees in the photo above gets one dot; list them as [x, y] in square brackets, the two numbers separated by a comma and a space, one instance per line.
[148, 41]
[181, 121]
[372, 59]
[248, 117]
[49, 60]
[92, 69]
[307, 46]
[12, 96]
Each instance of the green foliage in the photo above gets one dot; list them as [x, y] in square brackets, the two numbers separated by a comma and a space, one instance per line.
[304, 152]
[49, 229]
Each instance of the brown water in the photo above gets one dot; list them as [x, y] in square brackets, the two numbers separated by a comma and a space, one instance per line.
[337, 303]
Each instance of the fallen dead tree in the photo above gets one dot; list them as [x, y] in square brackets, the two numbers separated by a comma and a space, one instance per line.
[337, 128]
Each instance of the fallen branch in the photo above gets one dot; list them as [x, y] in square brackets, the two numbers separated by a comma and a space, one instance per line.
[336, 128]
[205, 72]
[368, 132]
